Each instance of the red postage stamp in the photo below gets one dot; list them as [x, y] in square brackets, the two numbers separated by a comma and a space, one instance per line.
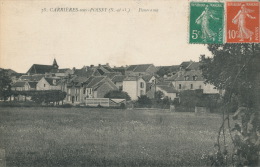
[242, 22]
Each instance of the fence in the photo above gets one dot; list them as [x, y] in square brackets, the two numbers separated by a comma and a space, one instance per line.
[104, 102]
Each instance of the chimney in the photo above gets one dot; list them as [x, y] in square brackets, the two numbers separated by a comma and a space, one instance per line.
[99, 65]
[91, 65]
[107, 64]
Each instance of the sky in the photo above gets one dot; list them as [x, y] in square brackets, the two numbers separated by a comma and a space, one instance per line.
[29, 36]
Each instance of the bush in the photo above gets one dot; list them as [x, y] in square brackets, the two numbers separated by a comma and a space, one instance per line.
[143, 101]
[117, 94]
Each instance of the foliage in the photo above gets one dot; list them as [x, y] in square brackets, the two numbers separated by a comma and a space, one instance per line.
[48, 96]
[235, 69]
[189, 99]
[159, 95]
[45, 96]
[5, 84]
[144, 101]
[163, 71]
[117, 94]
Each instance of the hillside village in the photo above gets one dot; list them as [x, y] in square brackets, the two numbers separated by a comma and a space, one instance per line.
[94, 81]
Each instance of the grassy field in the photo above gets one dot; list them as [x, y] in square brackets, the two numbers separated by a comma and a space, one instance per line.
[105, 137]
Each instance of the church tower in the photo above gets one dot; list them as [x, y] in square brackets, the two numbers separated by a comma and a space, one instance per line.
[55, 65]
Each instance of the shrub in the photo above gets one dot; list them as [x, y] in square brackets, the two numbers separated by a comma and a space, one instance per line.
[117, 94]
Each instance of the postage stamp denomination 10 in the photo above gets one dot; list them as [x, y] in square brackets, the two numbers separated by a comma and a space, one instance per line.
[242, 24]
[206, 22]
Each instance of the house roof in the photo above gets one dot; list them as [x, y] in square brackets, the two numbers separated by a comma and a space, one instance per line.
[132, 78]
[147, 77]
[139, 67]
[32, 84]
[188, 76]
[92, 81]
[63, 70]
[120, 69]
[19, 84]
[40, 69]
[112, 74]
[165, 83]
[193, 66]
[50, 80]
[35, 77]
[185, 64]
[77, 81]
[118, 78]
[85, 72]
[168, 89]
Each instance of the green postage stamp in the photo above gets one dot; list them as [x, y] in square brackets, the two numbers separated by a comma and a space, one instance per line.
[206, 22]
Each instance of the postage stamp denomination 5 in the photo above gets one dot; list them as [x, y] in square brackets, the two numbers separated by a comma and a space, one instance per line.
[242, 24]
[206, 22]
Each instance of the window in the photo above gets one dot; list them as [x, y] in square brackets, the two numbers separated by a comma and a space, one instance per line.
[84, 91]
[179, 86]
[69, 91]
[44, 85]
[90, 91]
[76, 97]
[141, 85]
[191, 86]
[186, 78]
[200, 87]
[76, 91]
[194, 78]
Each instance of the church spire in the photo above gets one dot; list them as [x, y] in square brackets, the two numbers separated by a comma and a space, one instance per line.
[55, 64]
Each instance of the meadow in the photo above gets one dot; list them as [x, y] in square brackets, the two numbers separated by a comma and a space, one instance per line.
[75, 137]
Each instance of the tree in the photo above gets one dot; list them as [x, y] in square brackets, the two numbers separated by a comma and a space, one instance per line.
[144, 101]
[54, 96]
[117, 94]
[159, 95]
[5, 84]
[235, 68]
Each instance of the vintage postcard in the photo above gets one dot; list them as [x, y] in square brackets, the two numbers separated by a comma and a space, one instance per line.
[129, 83]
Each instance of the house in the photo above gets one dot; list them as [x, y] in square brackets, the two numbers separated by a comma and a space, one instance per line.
[168, 91]
[135, 86]
[42, 69]
[48, 84]
[98, 87]
[150, 82]
[20, 86]
[80, 88]
[118, 81]
[24, 86]
[88, 71]
[140, 69]
[191, 80]
[74, 89]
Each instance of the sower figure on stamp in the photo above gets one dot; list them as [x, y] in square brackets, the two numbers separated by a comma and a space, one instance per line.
[240, 20]
[203, 20]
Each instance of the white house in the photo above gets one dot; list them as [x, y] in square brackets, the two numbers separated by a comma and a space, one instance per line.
[135, 86]
[168, 91]
[48, 84]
